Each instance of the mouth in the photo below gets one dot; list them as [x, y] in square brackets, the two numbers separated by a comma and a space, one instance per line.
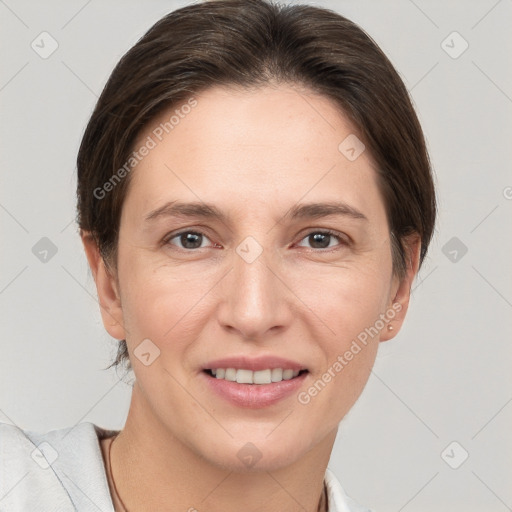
[254, 389]
[254, 382]
[258, 377]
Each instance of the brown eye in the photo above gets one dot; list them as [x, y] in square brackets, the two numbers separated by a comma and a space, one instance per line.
[323, 239]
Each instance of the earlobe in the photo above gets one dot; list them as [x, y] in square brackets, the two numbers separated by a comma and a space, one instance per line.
[106, 287]
[401, 295]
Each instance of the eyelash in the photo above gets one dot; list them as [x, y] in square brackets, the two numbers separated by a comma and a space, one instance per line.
[342, 239]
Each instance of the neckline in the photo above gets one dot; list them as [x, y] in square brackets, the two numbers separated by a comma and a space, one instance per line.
[107, 435]
[114, 492]
[117, 504]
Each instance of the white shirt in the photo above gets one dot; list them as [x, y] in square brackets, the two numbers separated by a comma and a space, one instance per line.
[63, 470]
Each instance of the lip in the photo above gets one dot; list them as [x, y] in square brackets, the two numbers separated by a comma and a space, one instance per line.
[253, 396]
[254, 363]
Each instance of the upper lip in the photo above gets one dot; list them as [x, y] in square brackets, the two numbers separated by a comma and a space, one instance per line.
[254, 363]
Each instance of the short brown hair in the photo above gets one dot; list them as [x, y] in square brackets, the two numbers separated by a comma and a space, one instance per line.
[250, 43]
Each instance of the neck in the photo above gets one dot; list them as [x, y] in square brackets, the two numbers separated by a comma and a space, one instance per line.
[154, 470]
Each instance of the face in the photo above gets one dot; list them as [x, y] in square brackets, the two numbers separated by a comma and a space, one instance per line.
[249, 240]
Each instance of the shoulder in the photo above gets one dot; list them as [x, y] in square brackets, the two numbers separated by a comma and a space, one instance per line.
[56, 470]
[338, 500]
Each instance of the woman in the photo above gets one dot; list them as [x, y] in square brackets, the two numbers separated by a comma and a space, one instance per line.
[254, 199]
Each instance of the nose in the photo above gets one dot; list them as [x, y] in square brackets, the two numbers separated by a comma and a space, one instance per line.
[256, 301]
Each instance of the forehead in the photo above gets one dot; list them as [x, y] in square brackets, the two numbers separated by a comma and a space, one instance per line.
[285, 119]
[272, 144]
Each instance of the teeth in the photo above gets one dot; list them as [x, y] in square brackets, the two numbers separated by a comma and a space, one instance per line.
[230, 374]
[287, 374]
[244, 376]
[262, 377]
[277, 375]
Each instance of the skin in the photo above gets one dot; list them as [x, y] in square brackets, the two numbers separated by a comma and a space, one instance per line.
[278, 147]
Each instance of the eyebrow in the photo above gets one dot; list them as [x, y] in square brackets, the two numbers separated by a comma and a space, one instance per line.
[318, 210]
[179, 209]
[299, 211]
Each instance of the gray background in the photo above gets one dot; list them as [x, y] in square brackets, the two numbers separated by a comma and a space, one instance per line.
[446, 377]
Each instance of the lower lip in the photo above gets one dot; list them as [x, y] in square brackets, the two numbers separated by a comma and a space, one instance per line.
[254, 396]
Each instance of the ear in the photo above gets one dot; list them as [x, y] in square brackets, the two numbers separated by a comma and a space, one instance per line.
[107, 288]
[401, 288]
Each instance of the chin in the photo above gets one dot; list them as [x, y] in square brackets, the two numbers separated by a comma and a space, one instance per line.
[256, 454]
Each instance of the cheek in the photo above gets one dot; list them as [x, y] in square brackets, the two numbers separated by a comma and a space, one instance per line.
[347, 299]
[162, 303]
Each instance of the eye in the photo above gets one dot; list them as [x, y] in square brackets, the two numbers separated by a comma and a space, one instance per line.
[322, 239]
[187, 239]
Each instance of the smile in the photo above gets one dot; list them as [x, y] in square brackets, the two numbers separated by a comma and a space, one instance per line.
[245, 376]
[254, 389]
